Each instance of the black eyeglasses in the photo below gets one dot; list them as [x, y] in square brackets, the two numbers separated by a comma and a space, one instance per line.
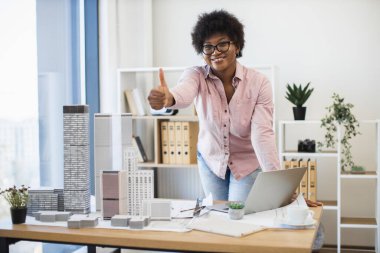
[222, 47]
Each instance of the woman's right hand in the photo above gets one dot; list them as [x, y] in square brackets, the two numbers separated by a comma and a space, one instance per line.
[160, 96]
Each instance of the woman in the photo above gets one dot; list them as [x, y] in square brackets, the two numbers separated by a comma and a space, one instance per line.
[234, 106]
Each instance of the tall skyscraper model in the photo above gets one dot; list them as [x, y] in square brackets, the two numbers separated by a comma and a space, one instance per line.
[76, 159]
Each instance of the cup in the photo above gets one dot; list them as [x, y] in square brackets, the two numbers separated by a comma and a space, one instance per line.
[299, 215]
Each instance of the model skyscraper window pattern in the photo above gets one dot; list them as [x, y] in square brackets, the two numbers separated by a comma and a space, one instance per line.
[76, 158]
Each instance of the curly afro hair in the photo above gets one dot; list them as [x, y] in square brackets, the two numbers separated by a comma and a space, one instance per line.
[218, 21]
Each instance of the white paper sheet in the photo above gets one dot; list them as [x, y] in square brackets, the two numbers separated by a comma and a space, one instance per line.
[268, 219]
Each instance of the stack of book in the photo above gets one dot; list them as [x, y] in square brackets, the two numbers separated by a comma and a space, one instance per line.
[308, 185]
[179, 142]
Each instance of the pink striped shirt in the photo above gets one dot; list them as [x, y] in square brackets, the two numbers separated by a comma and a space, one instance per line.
[238, 134]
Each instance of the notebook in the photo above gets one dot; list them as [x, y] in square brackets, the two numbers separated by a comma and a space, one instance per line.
[223, 226]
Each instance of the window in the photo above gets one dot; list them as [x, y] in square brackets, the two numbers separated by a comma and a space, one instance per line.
[19, 142]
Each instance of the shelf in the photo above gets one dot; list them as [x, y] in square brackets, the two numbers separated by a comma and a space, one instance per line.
[349, 222]
[175, 117]
[316, 154]
[148, 70]
[299, 122]
[162, 165]
[366, 175]
[329, 204]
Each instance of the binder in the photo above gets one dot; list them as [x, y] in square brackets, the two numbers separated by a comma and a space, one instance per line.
[172, 143]
[164, 142]
[304, 180]
[286, 164]
[190, 140]
[179, 142]
[312, 186]
[294, 164]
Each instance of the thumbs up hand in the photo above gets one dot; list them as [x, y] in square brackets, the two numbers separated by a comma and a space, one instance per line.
[160, 96]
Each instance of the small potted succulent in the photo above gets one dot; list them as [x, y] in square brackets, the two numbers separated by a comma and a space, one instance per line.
[298, 95]
[236, 210]
[18, 200]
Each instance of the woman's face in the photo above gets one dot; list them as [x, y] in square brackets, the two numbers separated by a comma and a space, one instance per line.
[220, 61]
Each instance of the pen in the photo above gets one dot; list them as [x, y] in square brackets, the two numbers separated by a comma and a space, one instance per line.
[195, 208]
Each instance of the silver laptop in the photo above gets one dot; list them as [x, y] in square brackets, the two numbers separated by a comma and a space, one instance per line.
[272, 189]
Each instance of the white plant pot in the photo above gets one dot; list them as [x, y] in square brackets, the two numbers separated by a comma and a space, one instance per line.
[236, 214]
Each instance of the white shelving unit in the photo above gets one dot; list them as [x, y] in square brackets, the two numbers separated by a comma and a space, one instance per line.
[342, 222]
[186, 183]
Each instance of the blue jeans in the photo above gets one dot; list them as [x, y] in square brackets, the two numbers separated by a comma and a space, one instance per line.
[225, 189]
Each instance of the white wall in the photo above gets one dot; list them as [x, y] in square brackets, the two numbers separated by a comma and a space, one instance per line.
[335, 44]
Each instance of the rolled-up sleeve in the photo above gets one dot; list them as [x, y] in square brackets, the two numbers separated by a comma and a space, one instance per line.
[186, 89]
[262, 134]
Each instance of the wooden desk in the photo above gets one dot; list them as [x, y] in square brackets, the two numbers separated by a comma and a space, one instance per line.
[273, 240]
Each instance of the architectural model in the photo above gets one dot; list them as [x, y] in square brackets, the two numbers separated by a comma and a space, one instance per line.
[82, 221]
[76, 158]
[133, 222]
[51, 216]
[45, 199]
[157, 209]
[114, 151]
[112, 133]
[140, 182]
[114, 193]
[120, 220]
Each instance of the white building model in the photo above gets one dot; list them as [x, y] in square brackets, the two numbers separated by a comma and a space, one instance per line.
[140, 182]
[76, 159]
[114, 151]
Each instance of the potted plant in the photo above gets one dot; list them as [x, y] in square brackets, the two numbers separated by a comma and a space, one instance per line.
[18, 200]
[340, 113]
[357, 170]
[236, 210]
[298, 96]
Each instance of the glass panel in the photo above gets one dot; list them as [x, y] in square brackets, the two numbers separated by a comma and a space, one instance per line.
[58, 80]
[19, 152]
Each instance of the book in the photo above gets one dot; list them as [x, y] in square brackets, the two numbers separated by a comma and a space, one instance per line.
[142, 157]
[139, 102]
[130, 102]
[164, 142]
